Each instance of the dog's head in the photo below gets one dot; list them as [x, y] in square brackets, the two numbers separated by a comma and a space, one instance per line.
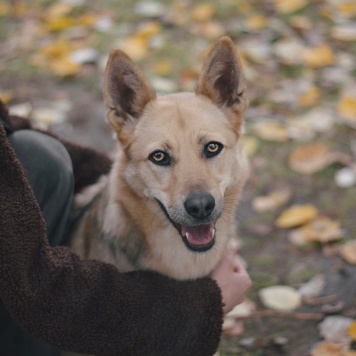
[182, 150]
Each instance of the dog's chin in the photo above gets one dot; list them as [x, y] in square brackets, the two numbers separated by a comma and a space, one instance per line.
[197, 238]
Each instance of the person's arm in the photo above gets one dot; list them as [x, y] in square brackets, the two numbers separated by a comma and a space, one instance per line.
[86, 305]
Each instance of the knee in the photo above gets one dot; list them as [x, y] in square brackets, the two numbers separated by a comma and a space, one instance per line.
[46, 161]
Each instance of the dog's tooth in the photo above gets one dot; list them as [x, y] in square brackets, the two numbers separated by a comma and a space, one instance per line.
[187, 235]
[213, 233]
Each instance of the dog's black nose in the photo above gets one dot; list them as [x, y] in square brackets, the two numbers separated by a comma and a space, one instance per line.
[199, 205]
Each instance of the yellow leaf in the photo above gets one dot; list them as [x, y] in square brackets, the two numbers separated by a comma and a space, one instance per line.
[6, 96]
[347, 107]
[250, 145]
[348, 252]
[347, 8]
[59, 24]
[58, 9]
[163, 67]
[149, 29]
[135, 46]
[203, 12]
[322, 229]
[56, 49]
[5, 9]
[296, 215]
[86, 20]
[320, 56]
[301, 22]
[64, 67]
[310, 97]
[271, 131]
[310, 158]
[328, 348]
[287, 7]
[352, 330]
[211, 29]
[257, 22]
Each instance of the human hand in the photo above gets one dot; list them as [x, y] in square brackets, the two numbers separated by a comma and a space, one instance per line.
[232, 278]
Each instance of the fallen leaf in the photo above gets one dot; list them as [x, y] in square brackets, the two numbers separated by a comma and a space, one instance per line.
[64, 67]
[163, 85]
[272, 201]
[246, 308]
[271, 131]
[327, 348]
[163, 67]
[280, 298]
[233, 327]
[58, 9]
[135, 46]
[344, 32]
[301, 22]
[345, 177]
[86, 20]
[256, 22]
[250, 145]
[348, 251]
[296, 215]
[310, 158]
[287, 7]
[23, 109]
[6, 96]
[314, 287]
[203, 12]
[256, 49]
[210, 29]
[59, 24]
[149, 29]
[297, 237]
[335, 328]
[305, 127]
[347, 8]
[5, 9]
[352, 330]
[320, 56]
[322, 229]
[288, 51]
[84, 55]
[150, 8]
[347, 107]
[309, 98]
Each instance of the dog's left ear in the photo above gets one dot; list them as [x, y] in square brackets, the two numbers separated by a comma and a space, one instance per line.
[222, 80]
[126, 93]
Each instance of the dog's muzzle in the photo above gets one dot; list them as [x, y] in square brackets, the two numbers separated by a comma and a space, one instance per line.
[199, 237]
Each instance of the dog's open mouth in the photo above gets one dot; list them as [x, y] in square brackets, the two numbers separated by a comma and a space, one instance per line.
[198, 238]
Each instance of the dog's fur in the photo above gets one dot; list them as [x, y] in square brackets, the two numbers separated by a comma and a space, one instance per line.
[177, 153]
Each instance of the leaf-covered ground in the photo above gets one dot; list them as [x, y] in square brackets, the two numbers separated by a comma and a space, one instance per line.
[297, 217]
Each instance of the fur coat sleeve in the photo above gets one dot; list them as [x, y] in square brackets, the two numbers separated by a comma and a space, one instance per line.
[88, 306]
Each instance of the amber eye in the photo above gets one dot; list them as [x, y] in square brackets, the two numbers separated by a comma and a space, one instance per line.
[212, 149]
[160, 157]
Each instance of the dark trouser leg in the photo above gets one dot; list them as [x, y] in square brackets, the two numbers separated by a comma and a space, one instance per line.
[50, 174]
[49, 171]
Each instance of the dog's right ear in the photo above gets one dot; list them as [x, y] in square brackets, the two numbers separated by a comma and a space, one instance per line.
[126, 93]
[222, 80]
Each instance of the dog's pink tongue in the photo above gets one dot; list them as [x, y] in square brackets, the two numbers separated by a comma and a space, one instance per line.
[199, 235]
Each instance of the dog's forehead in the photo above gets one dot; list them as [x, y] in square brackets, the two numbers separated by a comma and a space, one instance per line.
[183, 111]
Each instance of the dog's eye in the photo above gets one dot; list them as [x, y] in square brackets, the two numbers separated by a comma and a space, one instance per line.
[160, 157]
[212, 149]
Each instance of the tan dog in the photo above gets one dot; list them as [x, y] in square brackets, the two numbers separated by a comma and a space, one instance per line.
[169, 202]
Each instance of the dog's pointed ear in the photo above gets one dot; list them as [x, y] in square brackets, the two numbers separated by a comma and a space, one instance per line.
[126, 92]
[222, 80]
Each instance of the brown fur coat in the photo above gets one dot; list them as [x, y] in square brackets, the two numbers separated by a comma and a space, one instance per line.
[86, 305]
